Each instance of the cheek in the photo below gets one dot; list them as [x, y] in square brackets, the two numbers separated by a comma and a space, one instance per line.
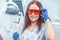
[37, 17]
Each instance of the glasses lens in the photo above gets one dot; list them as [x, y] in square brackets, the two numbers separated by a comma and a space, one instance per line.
[36, 12]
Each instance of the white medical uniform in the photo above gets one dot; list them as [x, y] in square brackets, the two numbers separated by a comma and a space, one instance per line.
[34, 34]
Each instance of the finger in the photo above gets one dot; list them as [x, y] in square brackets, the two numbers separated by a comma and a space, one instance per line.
[41, 15]
[43, 9]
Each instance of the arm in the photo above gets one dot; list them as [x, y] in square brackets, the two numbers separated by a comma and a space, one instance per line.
[50, 34]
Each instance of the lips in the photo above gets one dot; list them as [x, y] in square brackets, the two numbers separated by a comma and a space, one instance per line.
[33, 17]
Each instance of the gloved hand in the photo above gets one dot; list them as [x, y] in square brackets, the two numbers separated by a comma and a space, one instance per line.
[15, 35]
[45, 14]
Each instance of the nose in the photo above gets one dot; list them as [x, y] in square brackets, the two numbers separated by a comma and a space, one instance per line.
[32, 13]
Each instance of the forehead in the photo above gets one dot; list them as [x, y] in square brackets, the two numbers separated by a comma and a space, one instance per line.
[34, 6]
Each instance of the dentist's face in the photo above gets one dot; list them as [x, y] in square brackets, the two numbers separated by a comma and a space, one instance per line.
[33, 12]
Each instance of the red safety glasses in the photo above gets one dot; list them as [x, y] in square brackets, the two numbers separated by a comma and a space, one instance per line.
[36, 12]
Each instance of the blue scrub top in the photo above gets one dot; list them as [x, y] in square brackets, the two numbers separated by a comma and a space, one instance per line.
[34, 34]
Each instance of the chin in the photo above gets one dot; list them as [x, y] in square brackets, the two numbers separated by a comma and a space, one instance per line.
[33, 20]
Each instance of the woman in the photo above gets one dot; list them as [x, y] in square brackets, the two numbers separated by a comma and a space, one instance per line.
[37, 23]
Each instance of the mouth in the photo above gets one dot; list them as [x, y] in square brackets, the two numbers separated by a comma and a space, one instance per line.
[33, 17]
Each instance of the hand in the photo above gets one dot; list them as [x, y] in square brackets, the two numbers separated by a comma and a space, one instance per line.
[15, 35]
[45, 14]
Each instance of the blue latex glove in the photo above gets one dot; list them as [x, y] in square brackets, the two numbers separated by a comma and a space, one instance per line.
[15, 35]
[45, 14]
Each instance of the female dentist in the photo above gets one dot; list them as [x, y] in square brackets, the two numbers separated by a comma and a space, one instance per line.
[37, 25]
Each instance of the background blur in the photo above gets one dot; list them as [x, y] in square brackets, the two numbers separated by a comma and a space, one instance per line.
[12, 11]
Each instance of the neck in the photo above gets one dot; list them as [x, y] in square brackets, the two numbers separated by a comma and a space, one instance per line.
[33, 24]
